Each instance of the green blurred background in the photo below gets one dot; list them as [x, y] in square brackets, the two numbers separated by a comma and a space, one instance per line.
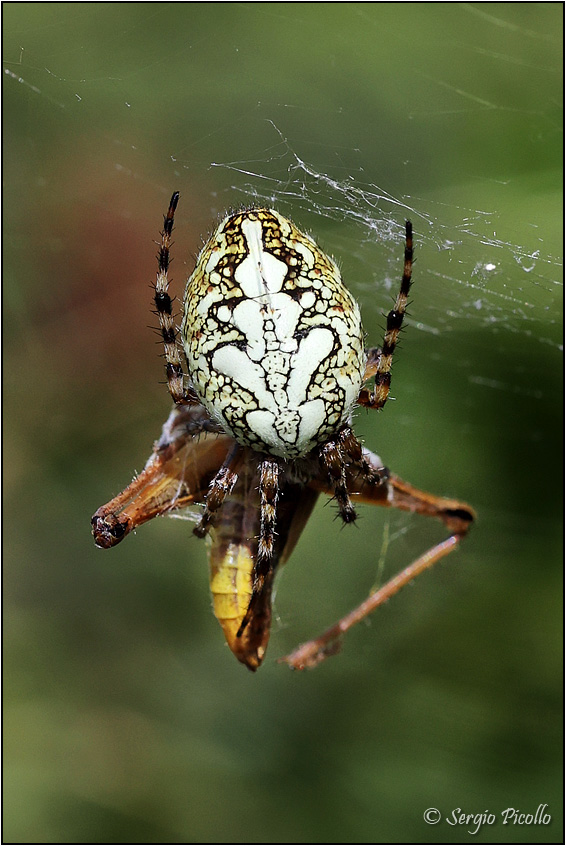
[126, 717]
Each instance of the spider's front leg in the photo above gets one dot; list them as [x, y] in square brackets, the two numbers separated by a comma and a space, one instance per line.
[333, 461]
[269, 495]
[220, 487]
[353, 449]
[334, 455]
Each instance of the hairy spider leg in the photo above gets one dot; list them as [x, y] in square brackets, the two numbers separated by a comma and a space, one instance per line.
[373, 354]
[352, 447]
[269, 495]
[220, 487]
[164, 306]
[378, 397]
[333, 460]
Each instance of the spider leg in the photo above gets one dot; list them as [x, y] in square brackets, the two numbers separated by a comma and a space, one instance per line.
[378, 397]
[220, 487]
[269, 494]
[163, 304]
[351, 446]
[373, 356]
[333, 460]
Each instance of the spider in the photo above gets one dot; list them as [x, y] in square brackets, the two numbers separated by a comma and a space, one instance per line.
[262, 423]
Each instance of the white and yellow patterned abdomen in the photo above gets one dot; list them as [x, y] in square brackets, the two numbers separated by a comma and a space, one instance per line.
[273, 340]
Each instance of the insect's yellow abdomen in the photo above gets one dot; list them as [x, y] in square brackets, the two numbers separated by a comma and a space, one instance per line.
[231, 589]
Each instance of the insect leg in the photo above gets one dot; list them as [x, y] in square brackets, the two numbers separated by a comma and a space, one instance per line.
[315, 651]
[393, 492]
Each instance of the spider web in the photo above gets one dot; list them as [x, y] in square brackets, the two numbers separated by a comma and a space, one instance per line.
[483, 267]
[495, 283]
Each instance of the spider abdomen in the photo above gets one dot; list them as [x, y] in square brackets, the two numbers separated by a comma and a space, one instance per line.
[273, 339]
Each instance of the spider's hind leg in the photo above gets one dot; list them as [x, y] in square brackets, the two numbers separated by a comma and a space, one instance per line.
[164, 310]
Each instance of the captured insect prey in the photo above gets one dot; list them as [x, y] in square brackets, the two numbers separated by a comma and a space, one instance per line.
[262, 422]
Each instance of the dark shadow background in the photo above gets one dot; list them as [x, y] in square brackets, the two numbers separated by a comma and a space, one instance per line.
[126, 717]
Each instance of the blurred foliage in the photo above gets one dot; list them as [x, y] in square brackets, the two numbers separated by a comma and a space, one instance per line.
[126, 718]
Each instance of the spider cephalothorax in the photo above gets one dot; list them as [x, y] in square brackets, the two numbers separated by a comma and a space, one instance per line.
[276, 364]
